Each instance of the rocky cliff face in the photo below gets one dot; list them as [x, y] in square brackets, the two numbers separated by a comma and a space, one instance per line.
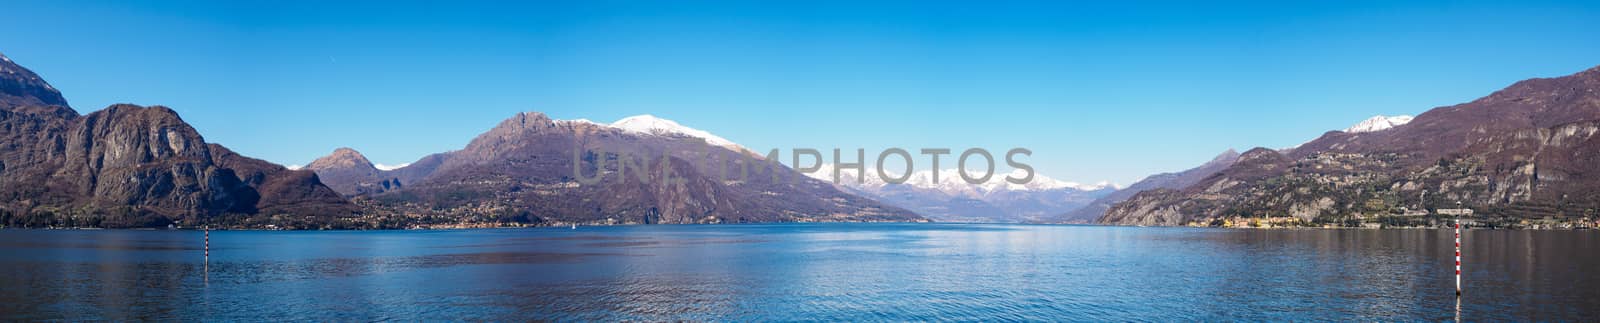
[523, 171]
[130, 155]
[132, 166]
[1528, 151]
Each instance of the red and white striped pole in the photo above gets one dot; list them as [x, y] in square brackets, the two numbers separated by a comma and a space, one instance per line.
[1458, 254]
[208, 242]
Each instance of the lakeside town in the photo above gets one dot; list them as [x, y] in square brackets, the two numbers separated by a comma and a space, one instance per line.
[1418, 219]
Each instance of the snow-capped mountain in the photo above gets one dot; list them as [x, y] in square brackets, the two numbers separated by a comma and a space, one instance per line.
[953, 199]
[1378, 123]
[649, 124]
[1039, 183]
[526, 163]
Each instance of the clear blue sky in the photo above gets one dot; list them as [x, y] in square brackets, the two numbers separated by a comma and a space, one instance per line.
[1112, 91]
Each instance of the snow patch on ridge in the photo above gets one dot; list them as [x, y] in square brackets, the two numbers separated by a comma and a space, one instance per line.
[1378, 123]
[583, 121]
[649, 124]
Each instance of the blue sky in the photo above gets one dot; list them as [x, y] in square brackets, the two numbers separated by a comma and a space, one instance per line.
[1098, 90]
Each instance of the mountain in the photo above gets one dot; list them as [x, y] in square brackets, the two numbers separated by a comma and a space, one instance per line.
[1178, 180]
[522, 171]
[954, 200]
[134, 166]
[1378, 123]
[349, 172]
[1528, 151]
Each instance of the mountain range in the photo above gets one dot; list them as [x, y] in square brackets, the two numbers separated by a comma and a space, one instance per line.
[1525, 152]
[522, 171]
[1178, 180]
[135, 166]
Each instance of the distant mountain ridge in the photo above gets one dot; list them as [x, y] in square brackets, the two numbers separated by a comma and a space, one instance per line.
[952, 199]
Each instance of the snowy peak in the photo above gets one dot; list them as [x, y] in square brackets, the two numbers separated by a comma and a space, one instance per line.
[1378, 123]
[649, 124]
[639, 124]
[1039, 183]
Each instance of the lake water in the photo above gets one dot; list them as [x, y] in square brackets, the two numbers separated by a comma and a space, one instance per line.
[833, 272]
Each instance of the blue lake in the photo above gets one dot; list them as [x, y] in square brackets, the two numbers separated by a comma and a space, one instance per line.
[797, 272]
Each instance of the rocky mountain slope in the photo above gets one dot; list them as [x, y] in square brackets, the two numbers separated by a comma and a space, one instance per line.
[1177, 180]
[133, 166]
[522, 171]
[1528, 151]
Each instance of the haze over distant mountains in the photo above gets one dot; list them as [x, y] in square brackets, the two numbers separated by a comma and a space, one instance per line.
[952, 199]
